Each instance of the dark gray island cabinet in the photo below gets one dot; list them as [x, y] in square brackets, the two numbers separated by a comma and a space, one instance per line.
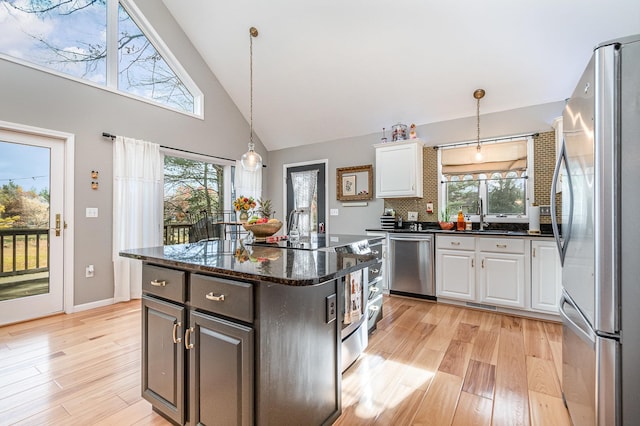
[228, 339]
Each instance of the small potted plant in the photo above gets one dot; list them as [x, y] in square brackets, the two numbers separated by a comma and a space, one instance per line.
[445, 219]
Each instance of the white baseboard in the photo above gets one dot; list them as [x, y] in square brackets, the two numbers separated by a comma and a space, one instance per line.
[92, 305]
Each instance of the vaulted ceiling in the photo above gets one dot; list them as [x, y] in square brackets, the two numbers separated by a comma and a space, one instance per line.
[330, 69]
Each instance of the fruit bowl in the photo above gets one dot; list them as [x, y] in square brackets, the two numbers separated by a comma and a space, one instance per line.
[263, 230]
[446, 225]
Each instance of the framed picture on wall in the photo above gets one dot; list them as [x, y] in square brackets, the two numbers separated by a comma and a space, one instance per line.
[354, 183]
[349, 185]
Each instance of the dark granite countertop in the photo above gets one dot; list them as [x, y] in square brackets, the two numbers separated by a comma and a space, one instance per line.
[503, 231]
[264, 262]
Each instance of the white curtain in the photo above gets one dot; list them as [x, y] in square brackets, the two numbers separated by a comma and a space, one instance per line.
[304, 188]
[137, 209]
[248, 183]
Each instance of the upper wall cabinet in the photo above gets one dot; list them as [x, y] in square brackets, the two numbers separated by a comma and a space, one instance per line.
[399, 169]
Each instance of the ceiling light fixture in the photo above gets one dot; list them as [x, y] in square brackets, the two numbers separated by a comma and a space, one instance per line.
[478, 94]
[251, 160]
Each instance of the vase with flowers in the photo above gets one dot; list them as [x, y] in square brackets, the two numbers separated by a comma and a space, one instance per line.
[243, 205]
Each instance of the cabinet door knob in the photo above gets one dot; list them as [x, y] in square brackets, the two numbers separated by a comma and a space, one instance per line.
[176, 339]
[157, 283]
[210, 296]
[187, 334]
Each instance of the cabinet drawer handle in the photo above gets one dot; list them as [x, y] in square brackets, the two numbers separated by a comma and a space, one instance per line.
[157, 283]
[455, 243]
[501, 245]
[176, 339]
[210, 296]
[482, 265]
[473, 262]
[372, 292]
[187, 334]
[372, 310]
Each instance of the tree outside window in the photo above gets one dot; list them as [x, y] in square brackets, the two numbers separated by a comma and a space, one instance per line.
[71, 36]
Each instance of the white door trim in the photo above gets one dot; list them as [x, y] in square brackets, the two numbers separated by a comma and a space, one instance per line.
[326, 188]
[69, 150]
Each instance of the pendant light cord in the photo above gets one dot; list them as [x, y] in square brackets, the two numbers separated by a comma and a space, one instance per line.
[253, 32]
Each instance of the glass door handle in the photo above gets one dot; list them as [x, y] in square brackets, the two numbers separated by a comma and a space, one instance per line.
[57, 224]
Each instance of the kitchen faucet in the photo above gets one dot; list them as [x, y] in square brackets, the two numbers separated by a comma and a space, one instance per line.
[481, 213]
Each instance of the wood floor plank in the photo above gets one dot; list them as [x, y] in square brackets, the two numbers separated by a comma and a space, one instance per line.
[541, 377]
[511, 400]
[480, 379]
[456, 358]
[548, 410]
[466, 332]
[535, 339]
[485, 347]
[472, 410]
[439, 405]
[56, 415]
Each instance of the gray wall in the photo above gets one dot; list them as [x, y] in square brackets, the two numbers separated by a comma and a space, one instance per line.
[359, 150]
[39, 99]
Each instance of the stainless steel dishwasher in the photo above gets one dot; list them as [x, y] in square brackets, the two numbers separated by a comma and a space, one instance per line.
[411, 269]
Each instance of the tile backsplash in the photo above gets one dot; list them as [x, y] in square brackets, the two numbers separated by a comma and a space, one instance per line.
[544, 155]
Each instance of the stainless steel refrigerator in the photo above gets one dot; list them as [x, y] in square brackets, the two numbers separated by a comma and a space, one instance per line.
[599, 245]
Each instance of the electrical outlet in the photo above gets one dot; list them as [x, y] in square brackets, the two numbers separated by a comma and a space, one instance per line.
[333, 212]
[88, 272]
[545, 210]
[91, 212]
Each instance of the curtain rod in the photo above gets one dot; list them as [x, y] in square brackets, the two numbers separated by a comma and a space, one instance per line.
[486, 140]
[112, 137]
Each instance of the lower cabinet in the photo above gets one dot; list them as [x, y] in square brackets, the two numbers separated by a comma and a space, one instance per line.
[511, 272]
[220, 371]
[455, 274]
[502, 279]
[195, 356]
[163, 357]
[546, 276]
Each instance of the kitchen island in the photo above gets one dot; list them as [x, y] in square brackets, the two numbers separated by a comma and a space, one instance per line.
[246, 334]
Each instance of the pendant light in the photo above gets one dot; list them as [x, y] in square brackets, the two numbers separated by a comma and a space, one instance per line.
[478, 94]
[251, 160]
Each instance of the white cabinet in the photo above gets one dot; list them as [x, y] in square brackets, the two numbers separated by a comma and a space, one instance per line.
[455, 267]
[490, 271]
[502, 273]
[399, 169]
[546, 276]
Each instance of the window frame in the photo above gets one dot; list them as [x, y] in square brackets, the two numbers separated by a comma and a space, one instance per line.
[483, 191]
[111, 84]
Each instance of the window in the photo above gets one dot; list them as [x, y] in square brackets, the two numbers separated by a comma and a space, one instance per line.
[501, 179]
[192, 186]
[73, 38]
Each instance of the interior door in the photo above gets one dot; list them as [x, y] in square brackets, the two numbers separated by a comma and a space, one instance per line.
[31, 225]
[318, 204]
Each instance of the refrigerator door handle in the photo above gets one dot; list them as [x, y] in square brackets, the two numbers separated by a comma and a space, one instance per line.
[588, 336]
[562, 247]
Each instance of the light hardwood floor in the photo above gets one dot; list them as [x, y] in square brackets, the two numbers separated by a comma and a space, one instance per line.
[427, 363]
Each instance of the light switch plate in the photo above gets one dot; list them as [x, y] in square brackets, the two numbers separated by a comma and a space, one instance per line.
[333, 212]
[92, 212]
